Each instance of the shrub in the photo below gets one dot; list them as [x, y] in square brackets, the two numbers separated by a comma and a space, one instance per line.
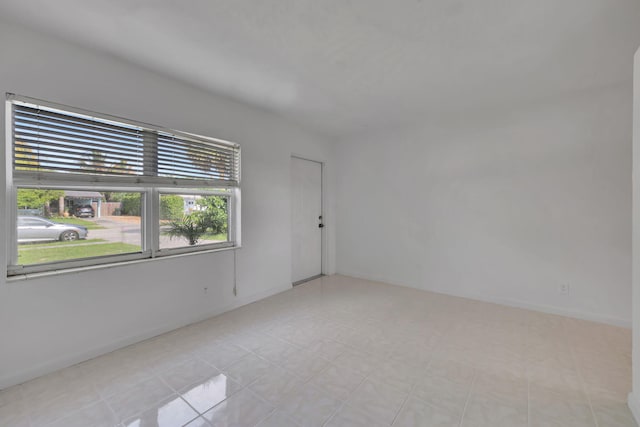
[131, 204]
[171, 207]
[190, 227]
[214, 214]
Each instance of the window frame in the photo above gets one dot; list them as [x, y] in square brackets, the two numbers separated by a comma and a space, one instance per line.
[150, 197]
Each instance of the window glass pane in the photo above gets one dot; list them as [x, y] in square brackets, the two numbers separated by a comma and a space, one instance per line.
[58, 225]
[192, 220]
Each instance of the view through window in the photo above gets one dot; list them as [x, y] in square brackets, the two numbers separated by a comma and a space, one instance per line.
[58, 225]
[193, 219]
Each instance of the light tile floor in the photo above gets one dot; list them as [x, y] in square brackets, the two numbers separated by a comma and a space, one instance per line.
[345, 352]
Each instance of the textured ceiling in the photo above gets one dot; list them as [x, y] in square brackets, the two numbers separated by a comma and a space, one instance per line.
[346, 66]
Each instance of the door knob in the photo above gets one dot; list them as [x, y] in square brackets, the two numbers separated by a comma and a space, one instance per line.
[320, 225]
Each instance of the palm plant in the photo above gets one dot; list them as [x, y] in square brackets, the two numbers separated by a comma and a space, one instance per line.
[191, 227]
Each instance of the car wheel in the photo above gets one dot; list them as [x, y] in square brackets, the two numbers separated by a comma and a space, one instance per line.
[69, 235]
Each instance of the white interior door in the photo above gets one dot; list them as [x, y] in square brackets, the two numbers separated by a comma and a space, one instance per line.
[306, 215]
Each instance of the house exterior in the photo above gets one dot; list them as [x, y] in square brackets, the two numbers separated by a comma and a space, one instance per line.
[72, 199]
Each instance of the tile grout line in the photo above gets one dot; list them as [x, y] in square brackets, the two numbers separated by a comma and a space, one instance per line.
[266, 416]
[333, 414]
[528, 400]
[404, 403]
[413, 388]
[181, 397]
[115, 416]
[344, 402]
[527, 370]
[75, 410]
[466, 403]
[579, 370]
[280, 365]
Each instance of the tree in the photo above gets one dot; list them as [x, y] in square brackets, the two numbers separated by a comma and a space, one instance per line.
[97, 161]
[30, 198]
[214, 213]
[171, 207]
[130, 204]
[26, 156]
[190, 227]
[206, 162]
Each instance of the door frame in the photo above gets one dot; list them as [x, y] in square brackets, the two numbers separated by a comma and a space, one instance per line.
[323, 234]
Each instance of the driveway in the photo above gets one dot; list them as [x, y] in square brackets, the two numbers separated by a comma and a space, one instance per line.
[117, 229]
[126, 229]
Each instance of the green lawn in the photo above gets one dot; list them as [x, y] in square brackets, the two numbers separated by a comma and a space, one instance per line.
[76, 221]
[221, 236]
[28, 246]
[218, 237]
[48, 253]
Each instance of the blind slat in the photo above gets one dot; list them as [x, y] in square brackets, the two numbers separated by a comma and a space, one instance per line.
[65, 127]
[54, 158]
[197, 163]
[45, 115]
[80, 136]
[90, 150]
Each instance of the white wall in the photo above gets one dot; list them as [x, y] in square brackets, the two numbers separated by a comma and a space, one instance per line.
[50, 322]
[634, 396]
[502, 206]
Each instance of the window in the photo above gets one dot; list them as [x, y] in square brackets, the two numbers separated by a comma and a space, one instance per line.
[92, 189]
[46, 237]
[206, 221]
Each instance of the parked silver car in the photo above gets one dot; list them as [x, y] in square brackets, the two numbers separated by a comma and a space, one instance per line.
[33, 229]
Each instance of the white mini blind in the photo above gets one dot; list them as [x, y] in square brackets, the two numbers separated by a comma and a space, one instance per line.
[56, 144]
[192, 159]
[47, 141]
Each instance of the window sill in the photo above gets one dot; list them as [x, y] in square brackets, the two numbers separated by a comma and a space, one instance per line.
[62, 271]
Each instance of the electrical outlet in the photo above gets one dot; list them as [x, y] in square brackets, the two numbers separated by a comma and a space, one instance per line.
[563, 289]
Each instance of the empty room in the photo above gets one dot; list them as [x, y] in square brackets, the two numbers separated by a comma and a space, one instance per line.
[320, 213]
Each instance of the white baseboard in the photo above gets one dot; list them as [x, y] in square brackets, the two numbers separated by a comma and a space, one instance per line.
[560, 311]
[634, 406]
[74, 358]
